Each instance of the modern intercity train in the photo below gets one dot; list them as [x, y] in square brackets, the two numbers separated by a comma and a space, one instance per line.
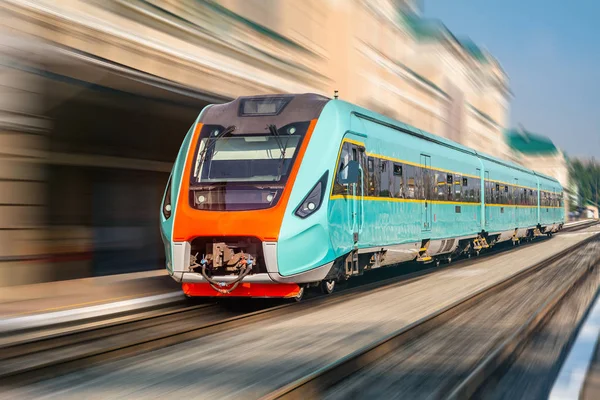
[270, 195]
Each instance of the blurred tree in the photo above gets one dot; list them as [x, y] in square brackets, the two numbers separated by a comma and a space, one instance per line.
[587, 177]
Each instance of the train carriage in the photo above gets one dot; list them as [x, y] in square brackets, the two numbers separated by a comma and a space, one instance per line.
[272, 194]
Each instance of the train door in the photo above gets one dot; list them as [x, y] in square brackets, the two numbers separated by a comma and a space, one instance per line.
[488, 198]
[357, 187]
[358, 154]
[515, 201]
[426, 182]
[477, 190]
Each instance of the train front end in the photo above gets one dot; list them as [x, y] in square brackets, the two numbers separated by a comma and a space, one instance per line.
[228, 193]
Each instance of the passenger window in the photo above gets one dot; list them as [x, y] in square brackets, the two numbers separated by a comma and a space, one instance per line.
[441, 185]
[457, 188]
[398, 181]
[385, 180]
[411, 185]
[489, 192]
[372, 177]
[397, 169]
[470, 189]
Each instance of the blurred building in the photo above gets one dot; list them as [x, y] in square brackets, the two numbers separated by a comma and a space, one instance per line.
[539, 153]
[98, 94]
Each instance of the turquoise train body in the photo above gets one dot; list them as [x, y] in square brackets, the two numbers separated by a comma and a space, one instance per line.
[416, 196]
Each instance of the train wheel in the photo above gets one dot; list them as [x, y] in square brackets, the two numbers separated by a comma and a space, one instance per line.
[437, 262]
[327, 287]
[449, 260]
[300, 294]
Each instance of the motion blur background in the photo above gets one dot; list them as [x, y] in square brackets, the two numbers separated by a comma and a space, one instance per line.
[96, 96]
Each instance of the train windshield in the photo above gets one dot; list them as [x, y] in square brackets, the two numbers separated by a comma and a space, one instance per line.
[245, 159]
[243, 171]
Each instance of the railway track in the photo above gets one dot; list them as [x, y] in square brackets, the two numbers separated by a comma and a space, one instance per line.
[452, 352]
[577, 227]
[26, 360]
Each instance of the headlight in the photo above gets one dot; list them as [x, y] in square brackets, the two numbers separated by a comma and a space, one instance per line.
[312, 202]
[167, 207]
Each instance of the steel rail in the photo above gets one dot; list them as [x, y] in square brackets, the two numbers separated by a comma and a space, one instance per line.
[579, 226]
[92, 331]
[315, 384]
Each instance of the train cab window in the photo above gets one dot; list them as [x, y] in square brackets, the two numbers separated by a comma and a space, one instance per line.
[345, 157]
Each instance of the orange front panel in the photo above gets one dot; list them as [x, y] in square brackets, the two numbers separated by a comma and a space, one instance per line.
[243, 290]
[262, 224]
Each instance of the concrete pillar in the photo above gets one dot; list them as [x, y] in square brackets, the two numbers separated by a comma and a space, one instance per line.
[22, 184]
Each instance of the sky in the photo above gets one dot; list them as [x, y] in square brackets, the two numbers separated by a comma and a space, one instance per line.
[551, 53]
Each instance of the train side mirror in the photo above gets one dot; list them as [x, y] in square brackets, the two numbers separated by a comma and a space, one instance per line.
[349, 173]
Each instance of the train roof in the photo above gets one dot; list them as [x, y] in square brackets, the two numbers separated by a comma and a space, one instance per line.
[282, 109]
[353, 108]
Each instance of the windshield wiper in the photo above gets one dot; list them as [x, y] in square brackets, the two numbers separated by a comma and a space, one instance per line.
[282, 148]
[273, 130]
[212, 140]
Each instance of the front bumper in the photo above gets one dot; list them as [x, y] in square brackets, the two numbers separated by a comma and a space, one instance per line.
[179, 270]
[244, 289]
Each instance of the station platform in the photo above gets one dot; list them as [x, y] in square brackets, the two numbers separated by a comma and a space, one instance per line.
[114, 292]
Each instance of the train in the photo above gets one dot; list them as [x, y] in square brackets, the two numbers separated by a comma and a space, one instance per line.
[271, 195]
